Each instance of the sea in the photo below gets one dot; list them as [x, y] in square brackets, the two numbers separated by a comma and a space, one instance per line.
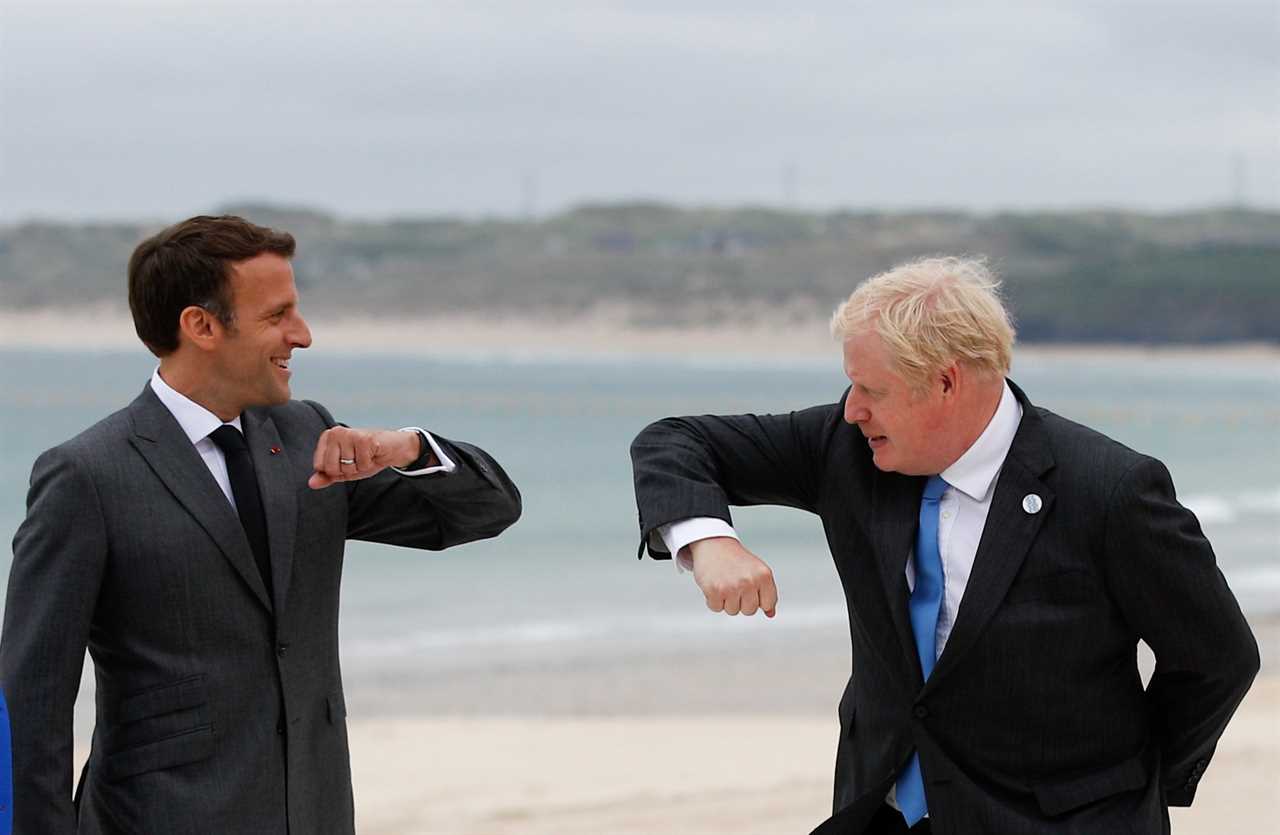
[565, 581]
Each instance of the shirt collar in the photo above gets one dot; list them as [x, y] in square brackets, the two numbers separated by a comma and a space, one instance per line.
[974, 472]
[196, 421]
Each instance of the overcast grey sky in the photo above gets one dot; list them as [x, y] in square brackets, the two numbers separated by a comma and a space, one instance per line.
[162, 109]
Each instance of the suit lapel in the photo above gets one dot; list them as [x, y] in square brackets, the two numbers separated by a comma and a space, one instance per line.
[1006, 538]
[173, 458]
[279, 497]
[896, 513]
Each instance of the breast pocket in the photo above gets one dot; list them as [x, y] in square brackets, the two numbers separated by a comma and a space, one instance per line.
[160, 727]
[1073, 585]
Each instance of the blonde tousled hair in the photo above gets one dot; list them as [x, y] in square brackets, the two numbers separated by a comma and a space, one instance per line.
[931, 312]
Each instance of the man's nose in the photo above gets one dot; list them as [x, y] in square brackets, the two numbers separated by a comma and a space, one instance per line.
[301, 336]
[854, 413]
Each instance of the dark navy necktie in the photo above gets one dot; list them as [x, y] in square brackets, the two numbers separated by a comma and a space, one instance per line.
[244, 486]
[926, 602]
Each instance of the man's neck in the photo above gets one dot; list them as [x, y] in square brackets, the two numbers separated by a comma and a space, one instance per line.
[193, 384]
[976, 416]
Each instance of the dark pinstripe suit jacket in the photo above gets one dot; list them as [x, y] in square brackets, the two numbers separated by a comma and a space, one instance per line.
[1035, 719]
[218, 710]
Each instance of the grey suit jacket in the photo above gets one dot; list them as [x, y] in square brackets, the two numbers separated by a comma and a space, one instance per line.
[218, 709]
[1035, 719]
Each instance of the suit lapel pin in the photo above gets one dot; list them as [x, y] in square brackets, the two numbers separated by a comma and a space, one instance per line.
[275, 450]
[1031, 503]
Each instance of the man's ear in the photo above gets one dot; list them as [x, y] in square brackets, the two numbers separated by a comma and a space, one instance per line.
[950, 378]
[200, 327]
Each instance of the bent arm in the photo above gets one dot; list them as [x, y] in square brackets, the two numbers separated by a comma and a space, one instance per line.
[59, 553]
[474, 500]
[1168, 585]
[698, 466]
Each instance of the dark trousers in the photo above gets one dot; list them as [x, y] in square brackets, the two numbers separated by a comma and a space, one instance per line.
[889, 821]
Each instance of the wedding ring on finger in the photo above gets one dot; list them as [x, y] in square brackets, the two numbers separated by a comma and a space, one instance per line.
[350, 461]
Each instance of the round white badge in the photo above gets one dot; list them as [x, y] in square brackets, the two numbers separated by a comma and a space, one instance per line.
[1031, 503]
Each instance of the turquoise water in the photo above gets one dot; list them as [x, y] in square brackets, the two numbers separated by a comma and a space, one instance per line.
[565, 581]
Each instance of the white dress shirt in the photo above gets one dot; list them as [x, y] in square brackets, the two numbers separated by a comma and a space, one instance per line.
[962, 512]
[198, 423]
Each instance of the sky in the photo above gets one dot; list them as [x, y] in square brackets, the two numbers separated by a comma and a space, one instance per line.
[375, 109]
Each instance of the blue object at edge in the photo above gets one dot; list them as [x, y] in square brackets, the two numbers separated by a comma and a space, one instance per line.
[6, 771]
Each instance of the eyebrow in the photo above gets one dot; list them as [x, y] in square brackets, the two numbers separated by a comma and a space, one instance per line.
[876, 392]
[280, 308]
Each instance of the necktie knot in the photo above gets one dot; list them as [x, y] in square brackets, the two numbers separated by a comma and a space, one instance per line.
[228, 439]
[934, 488]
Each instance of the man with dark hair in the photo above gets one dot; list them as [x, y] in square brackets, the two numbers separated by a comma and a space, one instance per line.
[190, 543]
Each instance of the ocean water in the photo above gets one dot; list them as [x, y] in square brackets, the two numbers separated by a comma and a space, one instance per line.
[564, 582]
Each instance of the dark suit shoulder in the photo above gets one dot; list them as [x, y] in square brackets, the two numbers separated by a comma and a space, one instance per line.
[1086, 456]
[101, 438]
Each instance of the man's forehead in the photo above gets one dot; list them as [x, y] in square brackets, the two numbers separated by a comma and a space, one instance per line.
[263, 275]
[263, 264]
[861, 350]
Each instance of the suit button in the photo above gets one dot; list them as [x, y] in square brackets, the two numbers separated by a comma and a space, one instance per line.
[280, 728]
[920, 711]
[281, 649]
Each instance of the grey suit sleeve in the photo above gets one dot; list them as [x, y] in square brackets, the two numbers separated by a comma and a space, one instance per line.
[59, 554]
[476, 501]
[1167, 583]
[699, 466]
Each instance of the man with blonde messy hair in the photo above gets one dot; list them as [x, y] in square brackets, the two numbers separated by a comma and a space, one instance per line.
[1000, 565]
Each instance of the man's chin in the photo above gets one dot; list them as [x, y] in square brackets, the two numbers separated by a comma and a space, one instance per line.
[882, 462]
[277, 396]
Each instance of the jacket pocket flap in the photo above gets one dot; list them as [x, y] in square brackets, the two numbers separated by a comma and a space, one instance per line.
[189, 747]
[168, 698]
[1056, 798]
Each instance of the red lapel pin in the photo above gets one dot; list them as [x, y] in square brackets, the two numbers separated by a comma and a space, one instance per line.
[275, 450]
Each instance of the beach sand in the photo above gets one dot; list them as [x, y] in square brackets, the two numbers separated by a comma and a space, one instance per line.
[604, 332]
[737, 739]
[694, 775]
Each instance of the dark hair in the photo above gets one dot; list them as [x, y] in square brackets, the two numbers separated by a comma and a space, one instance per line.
[190, 264]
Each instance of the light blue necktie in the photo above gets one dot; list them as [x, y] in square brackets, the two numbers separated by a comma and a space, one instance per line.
[926, 601]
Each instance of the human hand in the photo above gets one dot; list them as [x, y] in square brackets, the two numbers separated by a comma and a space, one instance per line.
[346, 454]
[733, 579]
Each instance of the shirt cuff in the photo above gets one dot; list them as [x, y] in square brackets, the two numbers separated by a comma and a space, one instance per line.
[679, 534]
[446, 464]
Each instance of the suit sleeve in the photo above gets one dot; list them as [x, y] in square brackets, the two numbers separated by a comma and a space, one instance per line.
[1168, 585]
[476, 501]
[59, 554]
[699, 466]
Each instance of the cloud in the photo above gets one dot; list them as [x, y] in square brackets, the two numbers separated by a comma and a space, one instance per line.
[378, 108]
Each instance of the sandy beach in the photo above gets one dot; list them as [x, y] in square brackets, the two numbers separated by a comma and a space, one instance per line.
[605, 332]
[695, 775]
[696, 742]
[692, 743]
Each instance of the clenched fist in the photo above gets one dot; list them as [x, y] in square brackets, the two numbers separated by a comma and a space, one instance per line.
[346, 454]
[733, 579]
